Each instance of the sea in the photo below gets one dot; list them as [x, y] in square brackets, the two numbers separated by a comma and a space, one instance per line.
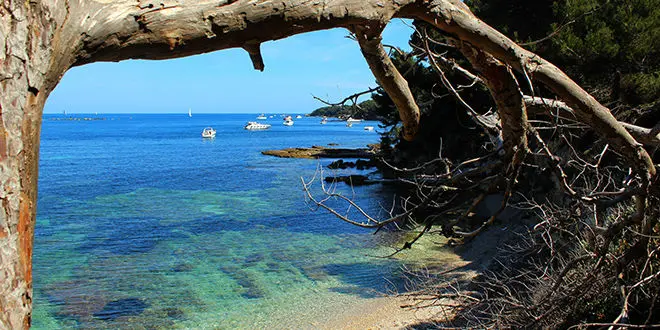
[144, 224]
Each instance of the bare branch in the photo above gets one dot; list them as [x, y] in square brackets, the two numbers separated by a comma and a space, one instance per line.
[353, 98]
[643, 135]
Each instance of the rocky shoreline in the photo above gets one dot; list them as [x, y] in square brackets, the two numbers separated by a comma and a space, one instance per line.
[323, 152]
[316, 152]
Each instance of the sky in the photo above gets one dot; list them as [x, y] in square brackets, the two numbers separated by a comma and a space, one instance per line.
[323, 63]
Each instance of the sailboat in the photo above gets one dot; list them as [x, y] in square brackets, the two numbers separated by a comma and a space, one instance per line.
[189, 112]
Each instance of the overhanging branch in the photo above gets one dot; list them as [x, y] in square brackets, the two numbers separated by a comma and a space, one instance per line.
[389, 78]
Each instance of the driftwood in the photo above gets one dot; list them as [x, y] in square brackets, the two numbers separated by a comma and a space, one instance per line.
[41, 40]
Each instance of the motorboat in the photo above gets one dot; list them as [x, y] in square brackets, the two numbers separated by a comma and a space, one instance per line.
[288, 121]
[349, 124]
[351, 120]
[253, 126]
[208, 133]
[368, 128]
[262, 117]
[298, 117]
[324, 120]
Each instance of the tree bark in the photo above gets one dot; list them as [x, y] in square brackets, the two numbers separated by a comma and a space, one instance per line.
[506, 93]
[27, 75]
[40, 40]
[389, 77]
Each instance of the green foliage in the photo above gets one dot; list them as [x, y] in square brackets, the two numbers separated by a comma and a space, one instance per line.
[364, 110]
[443, 122]
[329, 111]
[608, 37]
[521, 20]
[611, 47]
[641, 88]
[420, 80]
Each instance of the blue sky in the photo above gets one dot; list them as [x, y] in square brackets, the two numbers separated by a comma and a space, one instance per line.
[323, 63]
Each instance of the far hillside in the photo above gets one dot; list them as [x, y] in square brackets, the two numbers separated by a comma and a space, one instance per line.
[364, 110]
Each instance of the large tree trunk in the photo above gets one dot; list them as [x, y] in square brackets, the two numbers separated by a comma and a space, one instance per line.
[40, 40]
[27, 75]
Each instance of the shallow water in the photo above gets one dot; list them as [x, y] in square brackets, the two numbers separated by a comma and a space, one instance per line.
[142, 223]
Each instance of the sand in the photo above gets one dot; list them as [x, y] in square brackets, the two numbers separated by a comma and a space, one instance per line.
[462, 264]
[385, 313]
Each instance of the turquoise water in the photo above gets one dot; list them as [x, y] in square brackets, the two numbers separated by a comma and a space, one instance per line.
[143, 224]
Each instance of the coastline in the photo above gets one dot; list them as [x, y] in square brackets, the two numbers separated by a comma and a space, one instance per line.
[429, 254]
[385, 313]
[322, 152]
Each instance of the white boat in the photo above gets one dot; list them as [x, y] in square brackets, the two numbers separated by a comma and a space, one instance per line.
[324, 120]
[368, 128]
[208, 132]
[351, 120]
[253, 126]
[298, 117]
[349, 124]
[288, 121]
[189, 112]
[262, 117]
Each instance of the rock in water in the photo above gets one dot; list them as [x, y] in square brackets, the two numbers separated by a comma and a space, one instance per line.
[121, 307]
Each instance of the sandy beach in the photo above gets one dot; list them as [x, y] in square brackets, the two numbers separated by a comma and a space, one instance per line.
[385, 313]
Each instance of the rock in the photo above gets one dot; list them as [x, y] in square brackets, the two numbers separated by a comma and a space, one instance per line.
[175, 313]
[340, 164]
[355, 179]
[121, 307]
[361, 164]
[321, 152]
[184, 267]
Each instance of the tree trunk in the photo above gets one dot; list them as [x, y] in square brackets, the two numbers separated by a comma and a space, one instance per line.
[42, 39]
[27, 75]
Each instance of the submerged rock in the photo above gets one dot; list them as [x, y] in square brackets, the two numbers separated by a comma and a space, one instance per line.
[355, 179]
[175, 313]
[340, 164]
[360, 164]
[252, 288]
[121, 307]
[184, 267]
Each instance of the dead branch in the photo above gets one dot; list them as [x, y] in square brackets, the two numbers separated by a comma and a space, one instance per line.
[641, 134]
[353, 98]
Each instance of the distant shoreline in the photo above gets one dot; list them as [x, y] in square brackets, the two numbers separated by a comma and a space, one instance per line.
[76, 118]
